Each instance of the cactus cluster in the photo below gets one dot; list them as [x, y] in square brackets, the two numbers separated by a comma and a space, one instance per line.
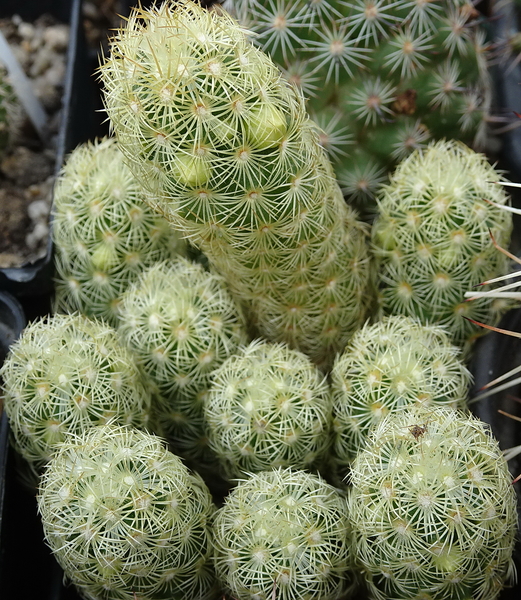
[65, 374]
[228, 154]
[126, 519]
[182, 324]
[283, 534]
[432, 509]
[433, 238]
[389, 365]
[103, 232]
[382, 77]
[268, 406]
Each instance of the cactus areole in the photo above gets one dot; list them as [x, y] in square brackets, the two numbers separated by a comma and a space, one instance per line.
[226, 151]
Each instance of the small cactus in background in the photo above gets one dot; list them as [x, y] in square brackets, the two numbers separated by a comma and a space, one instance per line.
[67, 373]
[11, 112]
[432, 508]
[228, 154]
[268, 406]
[283, 534]
[391, 364]
[104, 234]
[126, 519]
[181, 323]
[432, 238]
[400, 73]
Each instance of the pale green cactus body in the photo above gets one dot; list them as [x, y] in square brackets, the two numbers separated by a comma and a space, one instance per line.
[228, 154]
[182, 324]
[432, 509]
[67, 373]
[126, 519]
[391, 364]
[400, 72]
[103, 232]
[268, 406]
[433, 238]
[283, 533]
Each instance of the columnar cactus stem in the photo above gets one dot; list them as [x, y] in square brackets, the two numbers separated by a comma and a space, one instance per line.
[228, 154]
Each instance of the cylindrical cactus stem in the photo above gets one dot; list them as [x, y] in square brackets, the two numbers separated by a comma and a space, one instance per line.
[228, 154]
[433, 238]
[67, 373]
[126, 519]
[268, 406]
[104, 234]
[182, 324]
[432, 509]
[391, 364]
[283, 534]
[11, 113]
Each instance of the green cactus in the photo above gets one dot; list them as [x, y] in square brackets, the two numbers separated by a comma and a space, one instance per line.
[400, 72]
[388, 365]
[432, 509]
[126, 519]
[228, 154]
[283, 534]
[64, 374]
[432, 238]
[182, 324]
[11, 112]
[268, 406]
[104, 234]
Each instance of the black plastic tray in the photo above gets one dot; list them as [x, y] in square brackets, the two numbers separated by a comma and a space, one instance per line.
[33, 281]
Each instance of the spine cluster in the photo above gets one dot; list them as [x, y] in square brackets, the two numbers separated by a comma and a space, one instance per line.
[64, 375]
[182, 324]
[392, 364]
[126, 519]
[268, 406]
[432, 509]
[283, 533]
[103, 232]
[433, 238]
[228, 154]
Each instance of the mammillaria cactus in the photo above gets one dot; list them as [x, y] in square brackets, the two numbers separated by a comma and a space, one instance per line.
[126, 519]
[433, 238]
[104, 234]
[268, 406]
[228, 154]
[283, 534]
[432, 508]
[64, 374]
[182, 324]
[383, 76]
[388, 365]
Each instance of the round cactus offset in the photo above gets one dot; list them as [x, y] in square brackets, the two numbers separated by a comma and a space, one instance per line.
[182, 324]
[126, 519]
[268, 406]
[228, 154]
[388, 365]
[65, 374]
[283, 534]
[383, 77]
[432, 238]
[432, 510]
[104, 234]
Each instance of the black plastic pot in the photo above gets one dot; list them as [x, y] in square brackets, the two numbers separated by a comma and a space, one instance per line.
[32, 283]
